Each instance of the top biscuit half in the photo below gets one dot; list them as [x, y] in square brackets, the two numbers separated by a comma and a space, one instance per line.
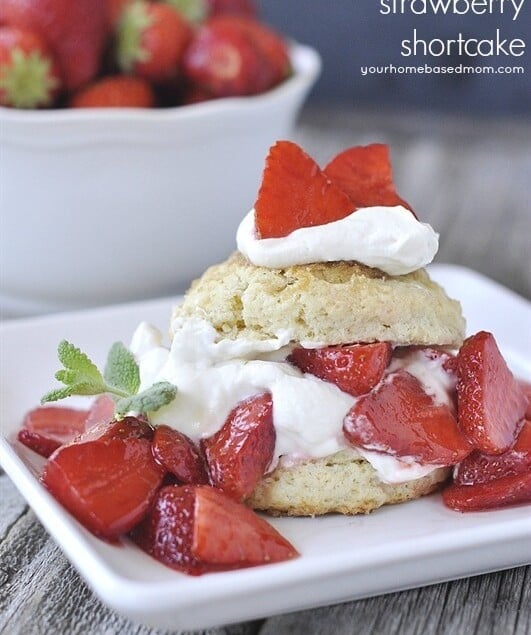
[324, 304]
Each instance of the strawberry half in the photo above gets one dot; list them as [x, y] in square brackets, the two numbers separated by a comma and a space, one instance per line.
[355, 368]
[295, 193]
[490, 402]
[46, 429]
[400, 419]
[239, 454]
[198, 529]
[126, 428]
[179, 456]
[364, 173]
[483, 468]
[107, 485]
[509, 490]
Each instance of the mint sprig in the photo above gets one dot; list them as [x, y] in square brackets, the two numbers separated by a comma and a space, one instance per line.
[120, 378]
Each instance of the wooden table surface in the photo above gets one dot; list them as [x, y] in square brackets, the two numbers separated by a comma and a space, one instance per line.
[470, 180]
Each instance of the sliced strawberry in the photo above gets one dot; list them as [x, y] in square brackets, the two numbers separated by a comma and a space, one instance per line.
[526, 387]
[179, 456]
[239, 454]
[400, 419]
[198, 529]
[228, 533]
[501, 492]
[46, 429]
[490, 402]
[355, 368]
[365, 174]
[107, 485]
[126, 428]
[295, 193]
[101, 411]
[483, 468]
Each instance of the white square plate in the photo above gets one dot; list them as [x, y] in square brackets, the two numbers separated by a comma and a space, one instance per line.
[343, 558]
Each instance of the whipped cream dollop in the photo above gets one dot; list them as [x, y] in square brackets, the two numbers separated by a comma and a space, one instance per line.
[387, 238]
[213, 375]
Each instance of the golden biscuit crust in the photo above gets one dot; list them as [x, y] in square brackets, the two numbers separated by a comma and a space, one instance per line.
[339, 483]
[326, 303]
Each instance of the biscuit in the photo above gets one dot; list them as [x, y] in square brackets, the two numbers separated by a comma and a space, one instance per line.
[325, 303]
[338, 483]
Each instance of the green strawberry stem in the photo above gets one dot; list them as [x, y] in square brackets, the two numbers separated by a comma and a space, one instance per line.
[134, 21]
[192, 10]
[28, 81]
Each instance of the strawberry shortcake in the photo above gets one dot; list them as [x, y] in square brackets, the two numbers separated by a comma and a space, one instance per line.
[316, 367]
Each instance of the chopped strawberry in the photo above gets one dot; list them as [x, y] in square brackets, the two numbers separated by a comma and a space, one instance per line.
[224, 61]
[239, 454]
[152, 39]
[365, 174]
[29, 76]
[126, 428]
[232, 7]
[76, 32]
[501, 492]
[46, 429]
[101, 411]
[179, 456]
[295, 193]
[107, 485]
[526, 387]
[490, 402]
[400, 419]
[116, 91]
[198, 529]
[483, 468]
[355, 368]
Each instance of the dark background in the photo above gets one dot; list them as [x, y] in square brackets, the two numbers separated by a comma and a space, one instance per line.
[350, 33]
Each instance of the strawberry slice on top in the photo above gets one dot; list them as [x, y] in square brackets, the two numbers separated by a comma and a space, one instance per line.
[296, 193]
[364, 173]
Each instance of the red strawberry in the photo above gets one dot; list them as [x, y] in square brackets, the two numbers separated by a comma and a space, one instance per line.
[490, 402]
[194, 95]
[117, 91]
[126, 428]
[107, 485]
[509, 490]
[270, 44]
[365, 174]
[295, 193]
[355, 368]
[179, 456]
[223, 61]
[151, 41]
[239, 454]
[232, 7]
[75, 32]
[399, 418]
[46, 429]
[198, 529]
[29, 77]
[483, 468]
[101, 411]
[115, 8]
[526, 387]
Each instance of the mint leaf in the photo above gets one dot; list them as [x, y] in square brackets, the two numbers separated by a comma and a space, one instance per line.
[58, 393]
[74, 359]
[121, 369]
[149, 400]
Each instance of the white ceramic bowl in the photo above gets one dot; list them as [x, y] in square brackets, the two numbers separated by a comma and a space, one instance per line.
[109, 205]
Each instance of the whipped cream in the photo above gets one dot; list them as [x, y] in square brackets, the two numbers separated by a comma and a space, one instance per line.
[213, 375]
[388, 238]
